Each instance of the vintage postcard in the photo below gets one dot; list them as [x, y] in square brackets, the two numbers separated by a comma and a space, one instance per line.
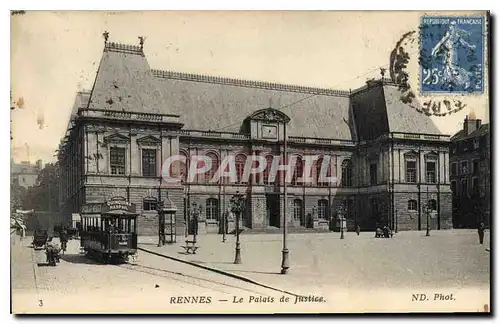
[236, 162]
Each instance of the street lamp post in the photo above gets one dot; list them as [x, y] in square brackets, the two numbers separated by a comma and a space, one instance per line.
[341, 213]
[161, 224]
[285, 263]
[237, 207]
[224, 211]
[395, 221]
[426, 210]
[428, 231]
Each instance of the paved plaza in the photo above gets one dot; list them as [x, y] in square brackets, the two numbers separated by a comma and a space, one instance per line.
[452, 258]
[321, 265]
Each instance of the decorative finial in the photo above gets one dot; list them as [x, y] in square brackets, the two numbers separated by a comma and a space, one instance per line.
[382, 72]
[141, 41]
[106, 36]
[270, 102]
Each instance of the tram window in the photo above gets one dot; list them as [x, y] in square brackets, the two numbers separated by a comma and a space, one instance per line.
[132, 226]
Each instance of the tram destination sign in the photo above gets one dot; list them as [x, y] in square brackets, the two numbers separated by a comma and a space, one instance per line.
[92, 208]
[118, 203]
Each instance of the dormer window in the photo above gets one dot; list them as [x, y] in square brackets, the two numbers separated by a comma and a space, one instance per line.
[475, 143]
[266, 123]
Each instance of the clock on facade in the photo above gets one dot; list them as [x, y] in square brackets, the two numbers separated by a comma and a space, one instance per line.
[269, 132]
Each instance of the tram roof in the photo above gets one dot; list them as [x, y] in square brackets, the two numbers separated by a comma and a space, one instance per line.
[118, 213]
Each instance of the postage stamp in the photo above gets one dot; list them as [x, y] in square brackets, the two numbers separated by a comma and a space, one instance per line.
[452, 54]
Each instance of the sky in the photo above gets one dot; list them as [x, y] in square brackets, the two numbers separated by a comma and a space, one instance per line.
[56, 54]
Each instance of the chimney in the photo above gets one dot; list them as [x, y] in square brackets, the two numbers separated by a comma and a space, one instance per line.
[471, 123]
[39, 164]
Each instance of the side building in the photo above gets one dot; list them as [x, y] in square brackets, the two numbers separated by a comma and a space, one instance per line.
[470, 174]
[389, 160]
[25, 174]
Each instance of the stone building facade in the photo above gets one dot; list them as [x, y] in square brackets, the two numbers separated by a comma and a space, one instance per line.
[25, 174]
[470, 165]
[389, 160]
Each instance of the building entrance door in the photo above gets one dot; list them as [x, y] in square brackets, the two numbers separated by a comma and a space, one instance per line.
[273, 210]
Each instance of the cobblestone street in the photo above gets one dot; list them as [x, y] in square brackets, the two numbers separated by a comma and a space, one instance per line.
[77, 284]
[349, 273]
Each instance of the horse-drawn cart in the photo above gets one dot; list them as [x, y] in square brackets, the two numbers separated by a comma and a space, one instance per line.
[40, 237]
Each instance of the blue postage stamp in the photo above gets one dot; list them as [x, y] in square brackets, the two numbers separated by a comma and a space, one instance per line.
[452, 54]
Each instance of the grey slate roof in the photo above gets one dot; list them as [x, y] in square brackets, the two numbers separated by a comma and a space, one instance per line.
[482, 130]
[81, 101]
[402, 117]
[222, 106]
[124, 82]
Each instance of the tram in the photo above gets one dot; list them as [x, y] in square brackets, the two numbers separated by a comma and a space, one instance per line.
[109, 231]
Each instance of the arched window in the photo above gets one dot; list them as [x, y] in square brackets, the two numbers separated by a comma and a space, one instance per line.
[346, 173]
[183, 167]
[267, 170]
[432, 205]
[212, 208]
[412, 205]
[240, 161]
[297, 210]
[321, 182]
[149, 204]
[323, 210]
[213, 169]
[298, 170]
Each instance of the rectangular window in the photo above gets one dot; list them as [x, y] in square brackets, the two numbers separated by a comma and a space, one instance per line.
[464, 188]
[212, 209]
[464, 167]
[430, 168]
[412, 205]
[373, 173]
[117, 160]
[454, 188]
[475, 185]
[149, 162]
[411, 171]
[297, 210]
[454, 169]
[476, 143]
[374, 205]
[323, 209]
[475, 166]
[149, 205]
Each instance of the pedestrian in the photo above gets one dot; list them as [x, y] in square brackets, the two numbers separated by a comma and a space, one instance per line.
[63, 238]
[480, 231]
[358, 229]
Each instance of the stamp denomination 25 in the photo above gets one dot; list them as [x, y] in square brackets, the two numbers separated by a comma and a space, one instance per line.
[452, 54]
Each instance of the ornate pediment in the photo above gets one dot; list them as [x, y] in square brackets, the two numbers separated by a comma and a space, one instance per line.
[432, 155]
[149, 141]
[411, 153]
[270, 115]
[116, 138]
